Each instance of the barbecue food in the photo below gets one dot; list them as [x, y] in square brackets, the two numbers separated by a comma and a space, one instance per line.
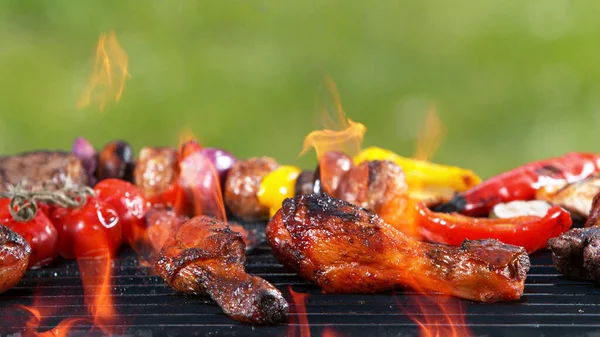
[14, 257]
[576, 253]
[594, 216]
[305, 183]
[242, 185]
[576, 197]
[346, 249]
[332, 168]
[156, 172]
[42, 167]
[206, 257]
[115, 161]
[522, 183]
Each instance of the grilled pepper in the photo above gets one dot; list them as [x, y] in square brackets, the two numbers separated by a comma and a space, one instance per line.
[530, 232]
[522, 182]
[276, 186]
[426, 181]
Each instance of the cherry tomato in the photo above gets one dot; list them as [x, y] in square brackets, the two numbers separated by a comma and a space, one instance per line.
[130, 204]
[38, 232]
[88, 231]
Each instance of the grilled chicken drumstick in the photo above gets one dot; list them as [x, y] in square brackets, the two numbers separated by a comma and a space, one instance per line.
[347, 249]
[14, 257]
[206, 257]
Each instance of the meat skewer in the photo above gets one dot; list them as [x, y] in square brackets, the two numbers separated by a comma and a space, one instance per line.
[576, 253]
[14, 258]
[346, 249]
[206, 257]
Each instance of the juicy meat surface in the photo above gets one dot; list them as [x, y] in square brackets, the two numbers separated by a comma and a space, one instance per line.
[14, 257]
[594, 215]
[242, 185]
[347, 249]
[576, 253]
[204, 256]
[155, 170]
[42, 167]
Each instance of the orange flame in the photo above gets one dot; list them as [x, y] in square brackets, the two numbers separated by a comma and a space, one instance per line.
[298, 302]
[340, 134]
[430, 136]
[107, 80]
[96, 278]
[61, 330]
[329, 332]
[441, 317]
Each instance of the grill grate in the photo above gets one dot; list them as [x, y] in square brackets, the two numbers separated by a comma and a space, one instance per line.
[552, 305]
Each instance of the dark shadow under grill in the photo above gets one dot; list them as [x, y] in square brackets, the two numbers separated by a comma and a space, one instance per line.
[552, 305]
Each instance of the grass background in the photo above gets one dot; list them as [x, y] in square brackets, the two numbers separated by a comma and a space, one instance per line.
[513, 81]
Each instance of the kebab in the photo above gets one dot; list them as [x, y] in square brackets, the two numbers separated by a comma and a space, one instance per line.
[14, 257]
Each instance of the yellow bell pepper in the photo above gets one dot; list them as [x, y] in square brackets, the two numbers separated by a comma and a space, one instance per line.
[278, 185]
[425, 180]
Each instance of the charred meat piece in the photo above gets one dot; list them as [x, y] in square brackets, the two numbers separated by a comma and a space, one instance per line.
[332, 168]
[115, 161]
[576, 253]
[576, 197]
[242, 185]
[347, 249]
[594, 216]
[14, 257]
[41, 167]
[156, 171]
[204, 256]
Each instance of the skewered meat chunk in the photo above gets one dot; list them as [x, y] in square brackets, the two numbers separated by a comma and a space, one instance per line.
[206, 257]
[14, 257]
[115, 161]
[42, 167]
[576, 253]
[242, 185]
[156, 170]
[332, 168]
[305, 183]
[347, 249]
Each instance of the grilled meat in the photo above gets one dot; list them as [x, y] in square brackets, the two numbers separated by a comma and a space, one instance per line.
[594, 216]
[332, 168]
[206, 257]
[347, 249]
[14, 257]
[576, 253]
[115, 161]
[576, 197]
[305, 183]
[40, 168]
[242, 185]
[156, 170]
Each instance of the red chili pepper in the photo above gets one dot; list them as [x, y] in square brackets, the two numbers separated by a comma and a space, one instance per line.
[522, 182]
[531, 232]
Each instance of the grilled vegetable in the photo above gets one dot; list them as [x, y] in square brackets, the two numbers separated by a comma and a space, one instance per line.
[427, 182]
[531, 232]
[276, 186]
[116, 161]
[86, 152]
[522, 182]
[520, 208]
[576, 197]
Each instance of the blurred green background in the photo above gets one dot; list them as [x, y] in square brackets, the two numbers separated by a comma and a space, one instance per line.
[513, 81]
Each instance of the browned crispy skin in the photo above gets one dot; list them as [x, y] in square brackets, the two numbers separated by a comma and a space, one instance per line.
[41, 167]
[155, 170]
[14, 257]
[206, 257]
[241, 187]
[347, 249]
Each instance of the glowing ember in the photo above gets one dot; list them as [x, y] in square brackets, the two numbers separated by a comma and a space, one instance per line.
[107, 80]
[329, 332]
[341, 134]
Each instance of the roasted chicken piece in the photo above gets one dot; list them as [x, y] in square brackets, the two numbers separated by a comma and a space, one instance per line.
[14, 258]
[576, 253]
[242, 185]
[347, 249]
[42, 167]
[576, 197]
[204, 256]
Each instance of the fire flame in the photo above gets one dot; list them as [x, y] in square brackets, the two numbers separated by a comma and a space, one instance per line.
[340, 133]
[298, 302]
[430, 136]
[439, 317]
[61, 330]
[110, 71]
